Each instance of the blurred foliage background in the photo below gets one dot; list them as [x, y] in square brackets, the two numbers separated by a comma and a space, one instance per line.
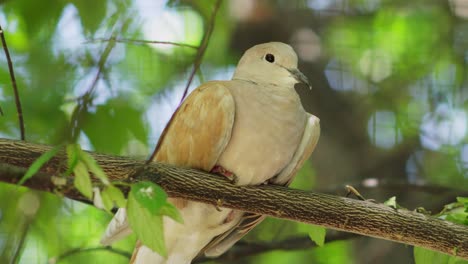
[389, 85]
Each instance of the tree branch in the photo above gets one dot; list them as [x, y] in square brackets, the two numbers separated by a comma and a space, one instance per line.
[141, 41]
[360, 217]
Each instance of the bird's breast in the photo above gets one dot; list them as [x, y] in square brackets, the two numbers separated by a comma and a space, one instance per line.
[268, 126]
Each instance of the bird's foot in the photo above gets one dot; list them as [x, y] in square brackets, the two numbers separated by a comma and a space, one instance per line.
[223, 172]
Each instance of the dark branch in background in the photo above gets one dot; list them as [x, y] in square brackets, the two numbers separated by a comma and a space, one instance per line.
[244, 249]
[13, 82]
[202, 48]
[141, 41]
[86, 99]
[339, 213]
[76, 251]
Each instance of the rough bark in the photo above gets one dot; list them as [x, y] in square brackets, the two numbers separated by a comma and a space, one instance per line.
[360, 217]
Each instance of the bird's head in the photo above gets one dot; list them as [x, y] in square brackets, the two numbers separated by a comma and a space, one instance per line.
[270, 63]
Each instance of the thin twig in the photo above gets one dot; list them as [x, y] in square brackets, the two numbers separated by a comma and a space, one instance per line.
[102, 60]
[82, 250]
[196, 65]
[142, 41]
[86, 98]
[202, 48]
[13, 82]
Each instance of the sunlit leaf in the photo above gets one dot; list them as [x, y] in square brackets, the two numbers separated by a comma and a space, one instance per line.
[37, 164]
[459, 218]
[146, 225]
[94, 167]
[456, 212]
[317, 234]
[37, 20]
[17, 39]
[82, 180]
[463, 200]
[305, 178]
[112, 196]
[73, 152]
[392, 203]
[150, 196]
[426, 256]
[91, 13]
[132, 116]
[113, 124]
[144, 78]
[107, 201]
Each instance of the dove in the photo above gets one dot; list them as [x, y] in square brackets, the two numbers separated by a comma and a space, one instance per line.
[251, 129]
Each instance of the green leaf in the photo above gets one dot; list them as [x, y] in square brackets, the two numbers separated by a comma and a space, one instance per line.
[119, 116]
[36, 22]
[464, 201]
[459, 218]
[171, 211]
[37, 164]
[456, 212]
[94, 167]
[150, 196]
[91, 13]
[422, 256]
[83, 180]
[426, 256]
[146, 225]
[107, 200]
[391, 202]
[73, 152]
[305, 178]
[317, 234]
[112, 196]
[132, 115]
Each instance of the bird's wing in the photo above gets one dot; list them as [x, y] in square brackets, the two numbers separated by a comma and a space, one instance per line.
[309, 140]
[303, 152]
[195, 137]
[200, 129]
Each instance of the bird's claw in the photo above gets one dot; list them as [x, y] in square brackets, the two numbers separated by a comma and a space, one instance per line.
[222, 171]
[218, 205]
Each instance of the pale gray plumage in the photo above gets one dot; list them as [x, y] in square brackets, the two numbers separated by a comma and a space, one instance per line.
[253, 126]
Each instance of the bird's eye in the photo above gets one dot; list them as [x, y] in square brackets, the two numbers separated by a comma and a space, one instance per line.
[270, 58]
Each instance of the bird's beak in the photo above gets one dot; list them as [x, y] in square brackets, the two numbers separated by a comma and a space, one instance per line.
[299, 76]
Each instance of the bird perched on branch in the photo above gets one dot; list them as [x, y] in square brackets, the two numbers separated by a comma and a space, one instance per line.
[251, 129]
